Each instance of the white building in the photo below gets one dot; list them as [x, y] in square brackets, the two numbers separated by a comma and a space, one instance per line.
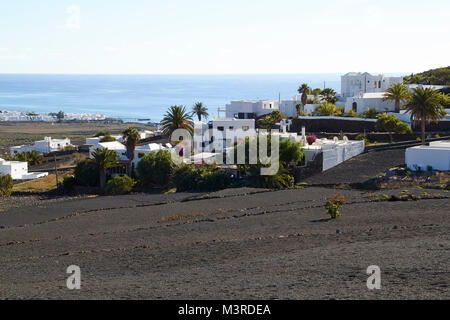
[357, 83]
[373, 100]
[18, 170]
[115, 146]
[43, 146]
[436, 156]
[289, 107]
[250, 109]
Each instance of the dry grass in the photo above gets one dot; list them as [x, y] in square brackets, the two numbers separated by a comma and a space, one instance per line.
[180, 217]
[44, 184]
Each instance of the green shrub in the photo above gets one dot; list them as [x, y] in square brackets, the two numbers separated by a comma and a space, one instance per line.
[333, 205]
[86, 174]
[6, 185]
[185, 177]
[108, 138]
[278, 181]
[68, 184]
[120, 185]
[204, 178]
[155, 168]
[370, 113]
[216, 180]
[352, 114]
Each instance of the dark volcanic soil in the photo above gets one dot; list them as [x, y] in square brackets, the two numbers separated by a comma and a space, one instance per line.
[235, 244]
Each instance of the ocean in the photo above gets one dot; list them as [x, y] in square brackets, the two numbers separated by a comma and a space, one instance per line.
[133, 97]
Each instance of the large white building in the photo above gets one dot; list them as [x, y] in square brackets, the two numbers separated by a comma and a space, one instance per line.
[357, 83]
[18, 170]
[115, 146]
[250, 109]
[43, 146]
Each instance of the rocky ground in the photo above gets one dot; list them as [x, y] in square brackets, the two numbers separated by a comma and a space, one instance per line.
[233, 244]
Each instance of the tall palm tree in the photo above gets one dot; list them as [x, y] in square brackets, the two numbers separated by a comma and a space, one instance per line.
[316, 92]
[104, 159]
[200, 111]
[131, 138]
[176, 118]
[304, 90]
[425, 106]
[398, 92]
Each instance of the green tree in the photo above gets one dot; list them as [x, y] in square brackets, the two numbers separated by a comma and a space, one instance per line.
[316, 92]
[398, 93]
[200, 110]
[32, 157]
[131, 138]
[104, 159]
[60, 116]
[176, 118]
[391, 124]
[86, 173]
[155, 168]
[425, 106]
[304, 90]
[329, 95]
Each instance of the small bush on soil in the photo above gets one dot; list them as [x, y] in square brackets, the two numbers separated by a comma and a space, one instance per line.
[6, 185]
[334, 204]
[120, 185]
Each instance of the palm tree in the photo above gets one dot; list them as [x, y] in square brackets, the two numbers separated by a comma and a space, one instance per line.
[425, 106]
[304, 90]
[329, 95]
[398, 92]
[104, 159]
[316, 92]
[200, 111]
[131, 138]
[176, 118]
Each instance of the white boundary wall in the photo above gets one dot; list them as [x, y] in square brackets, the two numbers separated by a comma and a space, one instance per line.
[338, 153]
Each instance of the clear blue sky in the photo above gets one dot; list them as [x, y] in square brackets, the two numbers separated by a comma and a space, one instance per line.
[223, 36]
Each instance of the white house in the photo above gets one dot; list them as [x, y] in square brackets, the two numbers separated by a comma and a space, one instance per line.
[289, 107]
[43, 146]
[18, 170]
[357, 83]
[250, 109]
[436, 156]
[115, 146]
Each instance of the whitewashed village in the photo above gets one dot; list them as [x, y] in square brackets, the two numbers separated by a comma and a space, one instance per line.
[363, 97]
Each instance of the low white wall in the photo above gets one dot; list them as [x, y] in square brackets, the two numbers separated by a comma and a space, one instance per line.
[336, 154]
[423, 157]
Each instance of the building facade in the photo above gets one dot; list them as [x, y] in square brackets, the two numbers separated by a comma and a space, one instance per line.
[250, 109]
[43, 146]
[357, 83]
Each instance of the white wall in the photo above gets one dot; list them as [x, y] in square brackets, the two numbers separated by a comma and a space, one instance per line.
[423, 156]
[354, 83]
[338, 153]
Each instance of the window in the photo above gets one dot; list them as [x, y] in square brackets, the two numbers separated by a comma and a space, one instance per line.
[231, 128]
[220, 128]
